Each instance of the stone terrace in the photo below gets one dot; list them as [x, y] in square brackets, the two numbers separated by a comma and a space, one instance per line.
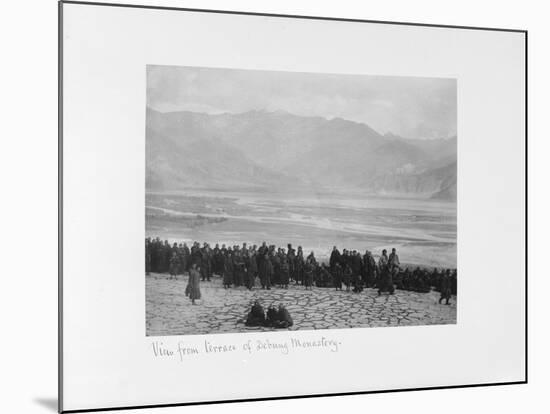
[170, 312]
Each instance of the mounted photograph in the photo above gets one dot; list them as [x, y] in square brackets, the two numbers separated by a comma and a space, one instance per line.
[282, 200]
[241, 193]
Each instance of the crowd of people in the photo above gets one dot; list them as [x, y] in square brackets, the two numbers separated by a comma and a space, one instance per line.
[279, 267]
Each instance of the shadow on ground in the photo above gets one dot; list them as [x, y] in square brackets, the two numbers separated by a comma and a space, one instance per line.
[49, 403]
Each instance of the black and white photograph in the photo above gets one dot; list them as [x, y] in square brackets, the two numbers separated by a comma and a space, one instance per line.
[298, 201]
[258, 206]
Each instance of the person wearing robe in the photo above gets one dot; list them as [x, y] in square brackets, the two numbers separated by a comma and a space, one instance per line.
[276, 262]
[166, 256]
[407, 277]
[186, 255]
[419, 281]
[386, 281]
[393, 262]
[311, 259]
[155, 255]
[207, 261]
[299, 266]
[256, 316]
[347, 277]
[238, 269]
[160, 256]
[369, 269]
[147, 256]
[217, 260]
[174, 265]
[228, 271]
[284, 273]
[245, 256]
[434, 278]
[325, 277]
[334, 258]
[291, 256]
[308, 275]
[272, 316]
[453, 282]
[262, 251]
[337, 276]
[266, 272]
[283, 319]
[196, 255]
[356, 264]
[345, 259]
[398, 279]
[252, 271]
[181, 259]
[193, 286]
[446, 287]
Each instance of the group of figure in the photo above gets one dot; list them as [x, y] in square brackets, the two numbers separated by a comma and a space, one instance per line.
[274, 318]
[238, 265]
[276, 266]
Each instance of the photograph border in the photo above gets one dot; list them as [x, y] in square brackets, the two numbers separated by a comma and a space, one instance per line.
[232, 12]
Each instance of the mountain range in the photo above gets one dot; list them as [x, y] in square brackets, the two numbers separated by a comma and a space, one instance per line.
[282, 151]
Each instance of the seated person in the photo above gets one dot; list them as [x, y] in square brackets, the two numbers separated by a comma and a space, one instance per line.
[272, 316]
[279, 319]
[256, 316]
[284, 320]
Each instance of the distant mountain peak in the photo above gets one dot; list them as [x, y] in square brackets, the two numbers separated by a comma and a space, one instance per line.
[277, 148]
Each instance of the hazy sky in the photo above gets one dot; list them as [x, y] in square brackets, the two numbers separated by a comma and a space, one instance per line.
[407, 106]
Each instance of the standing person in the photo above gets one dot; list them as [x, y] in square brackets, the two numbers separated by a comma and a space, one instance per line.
[238, 269]
[220, 259]
[334, 258]
[311, 259]
[252, 270]
[369, 269]
[165, 258]
[266, 272]
[174, 265]
[147, 256]
[337, 275]
[284, 273]
[325, 277]
[181, 260]
[356, 264]
[344, 259]
[276, 262]
[207, 261]
[308, 275]
[407, 277]
[228, 270]
[454, 285]
[347, 277]
[299, 266]
[291, 258]
[386, 281]
[262, 251]
[393, 263]
[186, 254]
[445, 287]
[155, 255]
[193, 289]
[196, 256]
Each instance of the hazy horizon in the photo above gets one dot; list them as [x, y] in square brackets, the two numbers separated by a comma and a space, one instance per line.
[280, 111]
[410, 107]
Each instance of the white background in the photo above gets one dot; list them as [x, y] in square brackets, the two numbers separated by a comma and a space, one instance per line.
[29, 177]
